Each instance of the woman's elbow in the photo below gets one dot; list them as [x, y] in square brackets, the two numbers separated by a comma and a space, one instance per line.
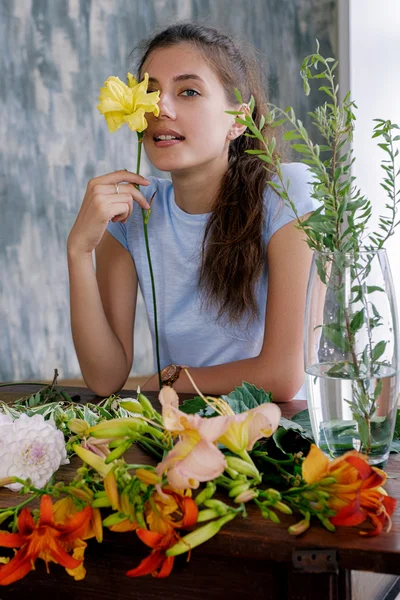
[286, 385]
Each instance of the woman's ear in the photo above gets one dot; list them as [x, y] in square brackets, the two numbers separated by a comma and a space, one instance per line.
[238, 129]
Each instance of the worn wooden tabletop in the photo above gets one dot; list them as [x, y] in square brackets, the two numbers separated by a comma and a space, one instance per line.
[243, 549]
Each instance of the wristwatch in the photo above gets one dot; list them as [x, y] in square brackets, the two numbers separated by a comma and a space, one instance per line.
[170, 374]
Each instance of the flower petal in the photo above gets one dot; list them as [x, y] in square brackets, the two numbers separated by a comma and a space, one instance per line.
[76, 526]
[136, 120]
[263, 421]
[350, 515]
[16, 569]
[168, 397]
[205, 462]
[60, 556]
[150, 538]
[315, 465]
[363, 468]
[166, 568]
[148, 564]
[11, 540]
[46, 511]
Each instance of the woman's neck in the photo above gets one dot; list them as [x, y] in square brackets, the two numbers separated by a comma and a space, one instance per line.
[195, 190]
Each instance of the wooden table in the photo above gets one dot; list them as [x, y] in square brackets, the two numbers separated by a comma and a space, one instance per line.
[250, 558]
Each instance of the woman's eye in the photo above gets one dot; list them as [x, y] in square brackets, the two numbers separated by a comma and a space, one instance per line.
[190, 93]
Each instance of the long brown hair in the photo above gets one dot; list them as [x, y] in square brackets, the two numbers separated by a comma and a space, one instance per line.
[233, 252]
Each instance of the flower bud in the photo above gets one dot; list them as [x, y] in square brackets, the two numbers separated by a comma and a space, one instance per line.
[217, 505]
[147, 406]
[207, 515]
[273, 495]
[110, 485]
[6, 481]
[131, 405]
[327, 481]
[5, 515]
[242, 466]
[199, 536]
[101, 503]
[246, 496]
[301, 526]
[326, 523]
[78, 426]
[205, 493]
[238, 489]
[283, 508]
[117, 428]
[273, 516]
[114, 519]
[118, 452]
[147, 476]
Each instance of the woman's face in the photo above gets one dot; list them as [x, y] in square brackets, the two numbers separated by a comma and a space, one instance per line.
[192, 111]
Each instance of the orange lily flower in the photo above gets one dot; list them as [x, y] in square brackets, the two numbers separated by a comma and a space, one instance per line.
[158, 563]
[355, 490]
[44, 539]
[163, 531]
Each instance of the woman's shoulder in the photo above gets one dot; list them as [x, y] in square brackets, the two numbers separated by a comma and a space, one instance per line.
[297, 180]
[298, 171]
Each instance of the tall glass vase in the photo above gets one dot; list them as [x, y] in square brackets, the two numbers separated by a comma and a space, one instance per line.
[352, 353]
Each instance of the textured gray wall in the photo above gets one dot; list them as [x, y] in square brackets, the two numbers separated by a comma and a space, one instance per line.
[54, 56]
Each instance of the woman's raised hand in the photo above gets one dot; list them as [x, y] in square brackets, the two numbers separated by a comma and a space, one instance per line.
[108, 198]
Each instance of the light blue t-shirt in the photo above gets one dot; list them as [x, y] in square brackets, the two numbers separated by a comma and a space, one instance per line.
[188, 332]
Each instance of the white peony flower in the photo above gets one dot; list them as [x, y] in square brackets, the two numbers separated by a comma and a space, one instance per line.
[30, 447]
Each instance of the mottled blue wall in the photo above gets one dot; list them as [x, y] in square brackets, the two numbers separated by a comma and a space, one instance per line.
[54, 55]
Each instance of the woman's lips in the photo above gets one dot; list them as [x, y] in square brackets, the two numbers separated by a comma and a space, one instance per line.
[167, 143]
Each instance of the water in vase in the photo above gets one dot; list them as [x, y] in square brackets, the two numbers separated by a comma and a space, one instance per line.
[335, 424]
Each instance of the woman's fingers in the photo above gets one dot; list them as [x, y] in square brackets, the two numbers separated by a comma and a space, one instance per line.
[118, 177]
[123, 188]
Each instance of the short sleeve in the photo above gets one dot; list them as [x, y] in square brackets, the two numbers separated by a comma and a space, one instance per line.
[298, 181]
[118, 230]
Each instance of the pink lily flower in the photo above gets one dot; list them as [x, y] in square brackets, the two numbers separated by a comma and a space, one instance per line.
[196, 456]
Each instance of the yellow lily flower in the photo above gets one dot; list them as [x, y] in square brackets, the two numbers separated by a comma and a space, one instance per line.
[121, 103]
[248, 427]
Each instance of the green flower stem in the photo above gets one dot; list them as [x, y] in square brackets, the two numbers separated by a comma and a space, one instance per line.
[146, 216]
[146, 445]
[273, 461]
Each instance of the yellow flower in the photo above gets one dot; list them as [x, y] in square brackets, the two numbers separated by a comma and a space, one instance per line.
[121, 103]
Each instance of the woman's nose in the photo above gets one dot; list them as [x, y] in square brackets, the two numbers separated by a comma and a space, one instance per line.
[167, 109]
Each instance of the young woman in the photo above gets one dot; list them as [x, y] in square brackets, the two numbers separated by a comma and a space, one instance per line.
[230, 267]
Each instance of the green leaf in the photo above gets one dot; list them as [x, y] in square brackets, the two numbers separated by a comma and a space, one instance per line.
[193, 406]
[303, 418]
[247, 396]
[363, 430]
[378, 350]
[292, 135]
[357, 321]
[336, 337]
[290, 437]
[238, 96]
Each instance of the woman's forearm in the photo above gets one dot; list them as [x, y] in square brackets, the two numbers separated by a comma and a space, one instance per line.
[101, 357]
[280, 378]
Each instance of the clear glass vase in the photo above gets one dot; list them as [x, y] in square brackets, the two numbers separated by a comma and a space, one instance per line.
[352, 353]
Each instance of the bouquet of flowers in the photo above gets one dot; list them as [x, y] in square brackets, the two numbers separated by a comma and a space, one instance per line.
[213, 456]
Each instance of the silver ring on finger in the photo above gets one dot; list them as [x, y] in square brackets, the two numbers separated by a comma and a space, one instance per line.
[116, 185]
